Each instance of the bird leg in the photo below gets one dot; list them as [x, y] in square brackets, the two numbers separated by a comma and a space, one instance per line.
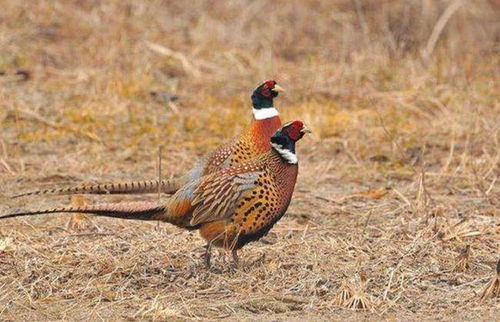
[208, 254]
[236, 260]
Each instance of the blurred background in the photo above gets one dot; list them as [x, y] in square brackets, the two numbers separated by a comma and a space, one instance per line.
[88, 69]
[402, 97]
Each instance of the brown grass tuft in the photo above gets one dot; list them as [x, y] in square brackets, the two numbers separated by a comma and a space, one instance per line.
[462, 261]
[344, 293]
[358, 299]
[492, 288]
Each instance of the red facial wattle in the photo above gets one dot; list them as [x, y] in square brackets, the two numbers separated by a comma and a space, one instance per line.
[270, 83]
[294, 130]
[267, 87]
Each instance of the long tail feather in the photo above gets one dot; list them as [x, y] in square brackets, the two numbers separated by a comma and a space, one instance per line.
[123, 210]
[134, 187]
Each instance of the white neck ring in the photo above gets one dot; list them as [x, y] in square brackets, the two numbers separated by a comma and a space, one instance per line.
[288, 155]
[265, 113]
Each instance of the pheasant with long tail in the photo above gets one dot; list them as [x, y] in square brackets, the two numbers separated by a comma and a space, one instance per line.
[230, 207]
[248, 145]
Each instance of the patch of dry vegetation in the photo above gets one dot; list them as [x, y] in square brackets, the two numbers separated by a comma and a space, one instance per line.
[396, 209]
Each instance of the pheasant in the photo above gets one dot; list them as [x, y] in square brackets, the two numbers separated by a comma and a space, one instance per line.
[253, 142]
[230, 207]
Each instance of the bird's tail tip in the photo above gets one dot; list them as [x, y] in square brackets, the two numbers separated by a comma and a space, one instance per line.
[125, 210]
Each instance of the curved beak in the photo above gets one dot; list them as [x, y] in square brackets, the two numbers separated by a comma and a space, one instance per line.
[278, 88]
[305, 129]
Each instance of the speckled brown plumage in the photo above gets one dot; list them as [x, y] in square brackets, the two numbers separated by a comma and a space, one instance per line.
[269, 186]
[252, 143]
[230, 207]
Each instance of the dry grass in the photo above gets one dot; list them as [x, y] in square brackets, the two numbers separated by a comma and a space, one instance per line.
[396, 210]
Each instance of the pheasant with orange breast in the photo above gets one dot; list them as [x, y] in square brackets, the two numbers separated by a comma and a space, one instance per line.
[248, 145]
[230, 207]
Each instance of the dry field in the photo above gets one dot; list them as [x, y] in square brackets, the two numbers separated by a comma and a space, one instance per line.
[395, 214]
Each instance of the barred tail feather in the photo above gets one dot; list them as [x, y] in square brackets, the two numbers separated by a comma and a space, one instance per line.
[134, 187]
[123, 210]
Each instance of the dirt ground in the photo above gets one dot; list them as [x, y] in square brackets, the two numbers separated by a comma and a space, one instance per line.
[395, 213]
